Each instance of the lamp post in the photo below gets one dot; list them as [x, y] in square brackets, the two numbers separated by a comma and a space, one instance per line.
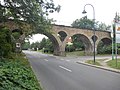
[116, 21]
[94, 37]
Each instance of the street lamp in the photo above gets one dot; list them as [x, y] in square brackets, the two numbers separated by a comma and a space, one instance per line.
[94, 37]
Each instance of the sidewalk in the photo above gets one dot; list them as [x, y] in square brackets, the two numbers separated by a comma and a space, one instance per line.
[103, 63]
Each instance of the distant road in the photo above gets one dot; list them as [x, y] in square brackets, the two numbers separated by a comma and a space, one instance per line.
[60, 73]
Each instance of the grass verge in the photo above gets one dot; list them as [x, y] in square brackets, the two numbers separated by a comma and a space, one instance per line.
[16, 74]
[92, 62]
[75, 53]
[112, 64]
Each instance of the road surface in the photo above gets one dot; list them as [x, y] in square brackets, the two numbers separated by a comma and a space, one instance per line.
[60, 73]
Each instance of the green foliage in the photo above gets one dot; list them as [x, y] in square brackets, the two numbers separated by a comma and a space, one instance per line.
[85, 23]
[33, 12]
[26, 45]
[45, 44]
[78, 44]
[39, 45]
[49, 45]
[112, 64]
[104, 49]
[92, 62]
[16, 74]
[16, 35]
[5, 42]
[76, 53]
[69, 48]
[35, 45]
[103, 26]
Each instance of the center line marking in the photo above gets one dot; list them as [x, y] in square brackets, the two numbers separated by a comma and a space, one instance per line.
[61, 59]
[67, 60]
[65, 69]
[45, 59]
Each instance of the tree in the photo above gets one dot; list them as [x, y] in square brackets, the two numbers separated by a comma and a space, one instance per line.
[5, 42]
[103, 26]
[33, 12]
[85, 23]
[69, 48]
[49, 45]
[26, 46]
[77, 43]
[104, 49]
[32, 45]
[28, 15]
[16, 35]
[35, 45]
[43, 43]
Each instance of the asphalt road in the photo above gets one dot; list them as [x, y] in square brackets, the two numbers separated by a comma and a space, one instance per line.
[60, 73]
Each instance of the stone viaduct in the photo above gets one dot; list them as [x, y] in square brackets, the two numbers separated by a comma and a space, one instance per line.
[60, 34]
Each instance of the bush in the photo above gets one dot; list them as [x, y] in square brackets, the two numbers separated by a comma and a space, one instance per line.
[5, 42]
[16, 74]
[69, 48]
[104, 49]
[7, 49]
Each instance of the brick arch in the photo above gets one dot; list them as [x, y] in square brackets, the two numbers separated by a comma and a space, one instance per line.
[62, 35]
[87, 43]
[105, 39]
[21, 35]
[17, 30]
[55, 41]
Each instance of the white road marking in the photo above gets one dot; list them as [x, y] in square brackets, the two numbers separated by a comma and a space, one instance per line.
[61, 59]
[67, 60]
[65, 68]
[45, 59]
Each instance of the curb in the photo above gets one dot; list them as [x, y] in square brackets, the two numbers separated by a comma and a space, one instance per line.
[100, 67]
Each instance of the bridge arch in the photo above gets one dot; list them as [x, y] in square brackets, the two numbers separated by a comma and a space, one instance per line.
[86, 42]
[102, 43]
[17, 30]
[106, 41]
[62, 35]
[58, 45]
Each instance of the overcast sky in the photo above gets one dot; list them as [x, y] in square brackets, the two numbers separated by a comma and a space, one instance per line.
[72, 9]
